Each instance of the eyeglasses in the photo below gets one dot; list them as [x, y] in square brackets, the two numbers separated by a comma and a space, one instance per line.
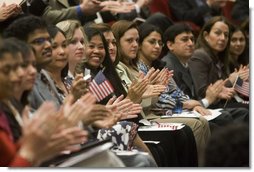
[155, 42]
[41, 41]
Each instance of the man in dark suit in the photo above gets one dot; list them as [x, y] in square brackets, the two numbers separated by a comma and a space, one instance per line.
[179, 40]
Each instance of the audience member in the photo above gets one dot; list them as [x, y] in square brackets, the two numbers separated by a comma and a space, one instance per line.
[179, 39]
[208, 63]
[40, 139]
[238, 50]
[240, 10]
[162, 159]
[229, 147]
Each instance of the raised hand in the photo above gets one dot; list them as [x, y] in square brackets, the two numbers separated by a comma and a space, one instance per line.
[84, 110]
[213, 90]
[36, 145]
[137, 89]
[112, 116]
[90, 7]
[117, 7]
[6, 11]
[244, 72]
[226, 93]
[125, 107]
[153, 91]
[164, 77]
[153, 76]
[79, 86]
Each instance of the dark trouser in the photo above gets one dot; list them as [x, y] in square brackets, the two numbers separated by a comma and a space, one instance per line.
[179, 147]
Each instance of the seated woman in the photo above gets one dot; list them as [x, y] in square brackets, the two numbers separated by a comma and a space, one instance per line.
[167, 139]
[42, 137]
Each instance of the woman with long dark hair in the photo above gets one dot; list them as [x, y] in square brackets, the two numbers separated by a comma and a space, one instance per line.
[209, 62]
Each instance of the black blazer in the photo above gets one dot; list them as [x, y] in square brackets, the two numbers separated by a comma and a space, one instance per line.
[181, 76]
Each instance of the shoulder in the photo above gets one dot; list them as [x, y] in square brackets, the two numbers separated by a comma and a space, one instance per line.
[201, 54]
[170, 60]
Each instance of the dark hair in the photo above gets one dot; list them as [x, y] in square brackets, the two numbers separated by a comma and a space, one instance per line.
[109, 70]
[53, 30]
[9, 45]
[175, 30]
[228, 147]
[245, 26]
[242, 58]
[23, 27]
[103, 27]
[119, 28]
[25, 50]
[201, 42]
[145, 30]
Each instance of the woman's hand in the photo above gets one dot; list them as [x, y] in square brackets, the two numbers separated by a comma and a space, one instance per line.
[226, 93]
[137, 89]
[79, 86]
[153, 91]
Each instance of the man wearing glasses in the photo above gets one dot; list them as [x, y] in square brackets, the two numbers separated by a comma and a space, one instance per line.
[33, 30]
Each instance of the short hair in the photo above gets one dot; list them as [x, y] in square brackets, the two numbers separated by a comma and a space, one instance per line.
[23, 27]
[175, 30]
[228, 147]
[10, 46]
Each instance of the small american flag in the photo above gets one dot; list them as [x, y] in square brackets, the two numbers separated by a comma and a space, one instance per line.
[100, 86]
[242, 87]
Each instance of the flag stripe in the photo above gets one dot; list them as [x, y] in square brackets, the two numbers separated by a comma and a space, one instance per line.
[242, 87]
[93, 89]
[96, 90]
[100, 87]
[109, 86]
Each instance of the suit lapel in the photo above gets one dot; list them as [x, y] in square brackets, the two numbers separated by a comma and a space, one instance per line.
[64, 3]
[184, 72]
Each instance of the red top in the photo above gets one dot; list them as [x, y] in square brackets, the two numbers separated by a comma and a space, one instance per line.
[8, 150]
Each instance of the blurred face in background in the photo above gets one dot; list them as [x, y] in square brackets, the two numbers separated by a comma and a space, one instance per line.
[95, 52]
[129, 43]
[7, 71]
[29, 67]
[151, 46]
[111, 44]
[237, 43]
[76, 47]
[217, 38]
[41, 42]
[183, 45]
[59, 53]
[19, 72]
